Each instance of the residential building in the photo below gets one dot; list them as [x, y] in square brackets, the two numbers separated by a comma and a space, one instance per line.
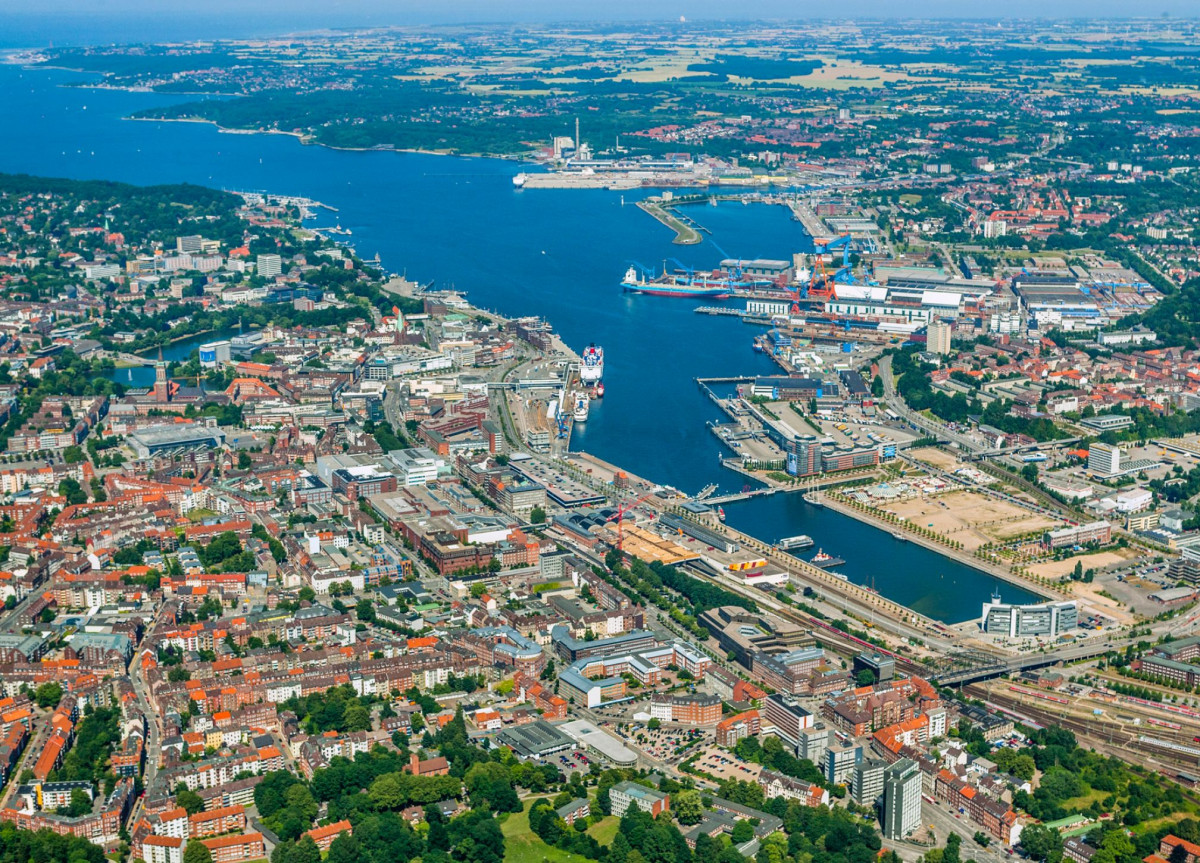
[324, 836]
[901, 799]
[937, 337]
[840, 761]
[778, 785]
[240, 846]
[734, 728]
[269, 266]
[867, 786]
[624, 794]
[162, 849]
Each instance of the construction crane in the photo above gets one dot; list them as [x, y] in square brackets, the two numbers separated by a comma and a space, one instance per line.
[647, 273]
[623, 508]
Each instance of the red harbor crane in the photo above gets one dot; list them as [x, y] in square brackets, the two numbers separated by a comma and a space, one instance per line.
[623, 508]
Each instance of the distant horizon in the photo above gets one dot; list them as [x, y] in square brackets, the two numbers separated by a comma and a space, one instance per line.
[77, 23]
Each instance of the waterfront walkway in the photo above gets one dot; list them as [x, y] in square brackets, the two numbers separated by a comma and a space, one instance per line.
[687, 233]
[869, 600]
[951, 553]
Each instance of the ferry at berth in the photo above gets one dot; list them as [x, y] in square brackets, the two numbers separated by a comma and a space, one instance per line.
[591, 365]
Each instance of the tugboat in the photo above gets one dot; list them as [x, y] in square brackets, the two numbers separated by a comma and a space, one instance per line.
[825, 561]
[598, 390]
[721, 514]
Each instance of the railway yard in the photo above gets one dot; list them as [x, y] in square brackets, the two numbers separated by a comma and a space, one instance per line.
[1158, 736]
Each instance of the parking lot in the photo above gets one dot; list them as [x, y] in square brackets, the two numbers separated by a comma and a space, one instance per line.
[663, 744]
[573, 761]
[724, 765]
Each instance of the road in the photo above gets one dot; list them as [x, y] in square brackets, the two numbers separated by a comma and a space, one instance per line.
[896, 403]
[153, 732]
[944, 822]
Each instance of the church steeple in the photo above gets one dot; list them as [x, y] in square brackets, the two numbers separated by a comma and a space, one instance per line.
[162, 388]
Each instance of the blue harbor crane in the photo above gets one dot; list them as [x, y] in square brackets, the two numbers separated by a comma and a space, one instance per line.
[647, 273]
[735, 271]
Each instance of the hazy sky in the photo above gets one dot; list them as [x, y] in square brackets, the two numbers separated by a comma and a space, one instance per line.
[35, 22]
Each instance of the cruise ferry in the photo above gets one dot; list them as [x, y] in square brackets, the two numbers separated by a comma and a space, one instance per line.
[591, 366]
[582, 408]
[714, 285]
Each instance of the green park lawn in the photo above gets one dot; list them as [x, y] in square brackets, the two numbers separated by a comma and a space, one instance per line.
[521, 845]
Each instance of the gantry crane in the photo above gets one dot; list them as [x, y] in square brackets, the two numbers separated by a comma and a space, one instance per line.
[820, 280]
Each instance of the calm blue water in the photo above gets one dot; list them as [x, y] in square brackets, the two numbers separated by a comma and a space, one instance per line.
[143, 376]
[908, 573]
[556, 253]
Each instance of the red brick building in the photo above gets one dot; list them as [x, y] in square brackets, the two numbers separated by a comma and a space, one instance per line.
[324, 836]
[229, 849]
[733, 729]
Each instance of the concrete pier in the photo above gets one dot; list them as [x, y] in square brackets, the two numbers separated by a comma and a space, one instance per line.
[685, 234]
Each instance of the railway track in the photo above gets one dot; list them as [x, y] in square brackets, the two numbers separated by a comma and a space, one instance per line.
[828, 632]
[1146, 746]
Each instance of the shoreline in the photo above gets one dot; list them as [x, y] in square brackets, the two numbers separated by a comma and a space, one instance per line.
[308, 140]
[13, 57]
[812, 575]
[930, 545]
[824, 580]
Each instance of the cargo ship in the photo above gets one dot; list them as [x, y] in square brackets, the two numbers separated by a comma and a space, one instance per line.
[591, 365]
[714, 285]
